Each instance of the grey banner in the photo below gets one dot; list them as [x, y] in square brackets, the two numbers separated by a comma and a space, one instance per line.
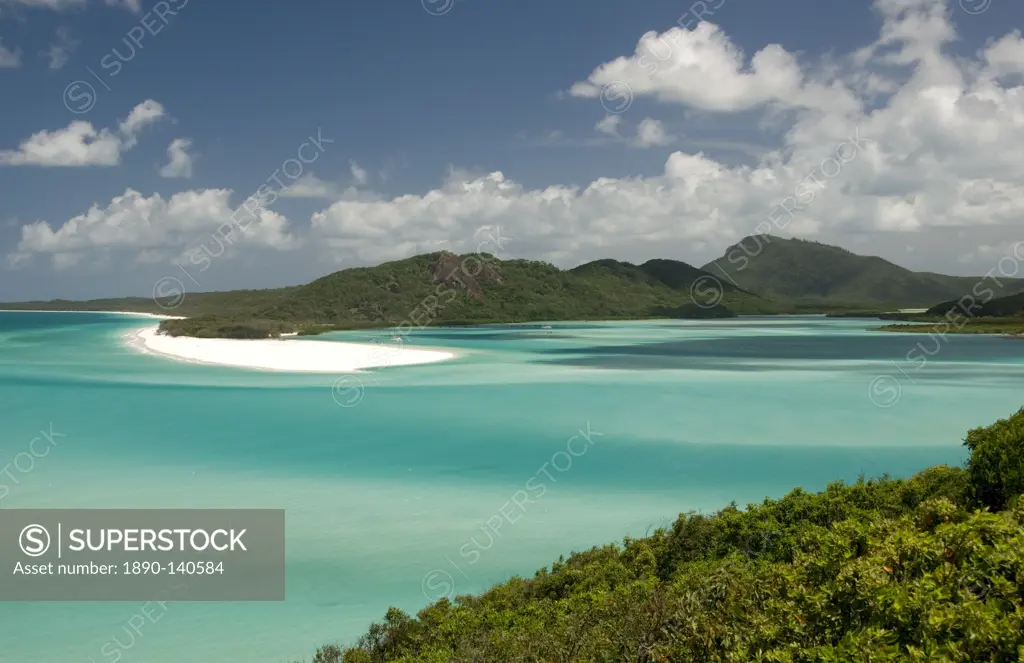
[142, 555]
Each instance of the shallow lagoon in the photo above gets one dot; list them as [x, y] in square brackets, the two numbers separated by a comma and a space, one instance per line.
[388, 499]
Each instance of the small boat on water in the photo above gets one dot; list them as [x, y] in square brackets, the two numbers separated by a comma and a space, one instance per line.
[547, 327]
[396, 339]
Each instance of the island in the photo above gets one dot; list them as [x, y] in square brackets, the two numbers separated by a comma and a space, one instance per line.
[969, 315]
[761, 275]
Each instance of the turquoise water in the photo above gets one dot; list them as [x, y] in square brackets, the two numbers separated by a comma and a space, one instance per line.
[385, 497]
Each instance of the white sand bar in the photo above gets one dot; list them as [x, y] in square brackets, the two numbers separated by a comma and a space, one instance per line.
[282, 354]
[142, 315]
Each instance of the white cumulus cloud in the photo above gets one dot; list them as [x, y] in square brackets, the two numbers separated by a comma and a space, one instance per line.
[609, 125]
[179, 162]
[702, 68]
[650, 133]
[155, 226]
[81, 144]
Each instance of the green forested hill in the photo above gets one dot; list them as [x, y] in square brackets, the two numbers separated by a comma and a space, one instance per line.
[968, 315]
[468, 288]
[926, 570]
[1000, 307]
[795, 269]
[443, 288]
[485, 289]
[659, 272]
[774, 275]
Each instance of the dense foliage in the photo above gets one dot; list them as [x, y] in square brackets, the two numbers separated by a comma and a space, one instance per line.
[881, 570]
[1000, 307]
[445, 289]
[814, 273]
[997, 461]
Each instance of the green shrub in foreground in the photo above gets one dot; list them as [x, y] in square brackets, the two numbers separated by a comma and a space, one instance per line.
[996, 465]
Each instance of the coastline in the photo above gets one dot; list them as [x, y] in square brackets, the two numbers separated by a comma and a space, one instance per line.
[282, 355]
[1006, 331]
[156, 316]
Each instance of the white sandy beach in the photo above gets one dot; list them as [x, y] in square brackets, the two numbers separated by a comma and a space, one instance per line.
[141, 315]
[157, 316]
[283, 355]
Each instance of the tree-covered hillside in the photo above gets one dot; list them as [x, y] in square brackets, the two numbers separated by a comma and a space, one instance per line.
[981, 307]
[970, 314]
[760, 275]
[443, 288]
[929, 569]
[801, 270]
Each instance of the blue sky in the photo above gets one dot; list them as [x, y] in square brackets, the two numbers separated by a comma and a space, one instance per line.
[419, 102]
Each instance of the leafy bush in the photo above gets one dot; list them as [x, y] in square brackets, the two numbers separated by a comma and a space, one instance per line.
[997, 461]
[328, 654]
